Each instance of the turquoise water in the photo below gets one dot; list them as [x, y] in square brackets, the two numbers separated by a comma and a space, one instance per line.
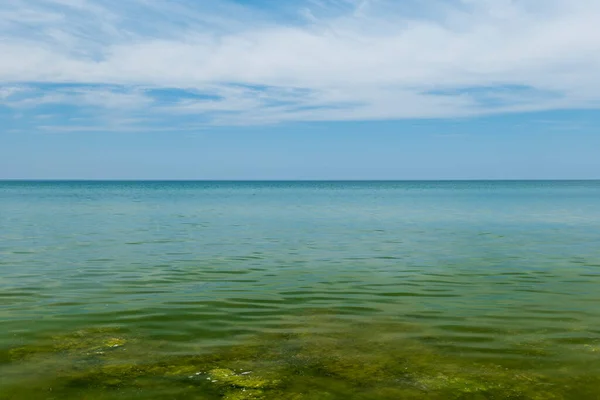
[380, 289]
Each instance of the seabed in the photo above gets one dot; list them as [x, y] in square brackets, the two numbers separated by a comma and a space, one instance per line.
[367, 361]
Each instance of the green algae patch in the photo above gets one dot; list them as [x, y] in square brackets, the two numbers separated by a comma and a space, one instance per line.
[457, 384]
[88, 341]
[380, 362]
[245, 395]
[245, 380]
[591, 348]
[82, 343]
[24, 352]
[175, 370]
[241, 386]
[115, 342]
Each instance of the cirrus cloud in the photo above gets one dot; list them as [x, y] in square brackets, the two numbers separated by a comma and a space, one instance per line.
[322, 60]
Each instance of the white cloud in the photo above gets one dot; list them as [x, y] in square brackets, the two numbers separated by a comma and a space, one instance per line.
[325, 60]
[7, 92]
[28, 97]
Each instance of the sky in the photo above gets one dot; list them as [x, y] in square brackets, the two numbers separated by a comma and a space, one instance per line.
[303, 89]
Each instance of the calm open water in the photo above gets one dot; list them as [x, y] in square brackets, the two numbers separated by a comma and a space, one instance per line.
[300, 290]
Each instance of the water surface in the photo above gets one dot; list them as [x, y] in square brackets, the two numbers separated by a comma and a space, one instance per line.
[322, 290]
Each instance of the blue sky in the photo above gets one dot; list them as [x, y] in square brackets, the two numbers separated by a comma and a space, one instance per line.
[309, 89]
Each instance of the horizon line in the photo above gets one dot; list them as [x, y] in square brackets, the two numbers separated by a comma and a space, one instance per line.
[303, 180]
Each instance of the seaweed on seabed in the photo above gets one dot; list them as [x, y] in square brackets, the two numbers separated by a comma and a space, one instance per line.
[356, 366]
[82, 343]
[348, 364]
[241, 385]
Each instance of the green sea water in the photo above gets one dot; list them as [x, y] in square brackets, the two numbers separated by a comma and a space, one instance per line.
[300, 290]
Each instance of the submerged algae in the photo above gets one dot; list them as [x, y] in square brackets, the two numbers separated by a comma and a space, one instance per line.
[243, 380]
[84, 342]
[344, 365]
[241, 386]
[245, 395]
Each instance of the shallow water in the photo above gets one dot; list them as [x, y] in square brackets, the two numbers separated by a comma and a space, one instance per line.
[322, 290]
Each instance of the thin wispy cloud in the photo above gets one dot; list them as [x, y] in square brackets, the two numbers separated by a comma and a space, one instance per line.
[185, 62]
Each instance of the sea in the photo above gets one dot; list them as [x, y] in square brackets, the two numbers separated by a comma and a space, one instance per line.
[300, 290]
